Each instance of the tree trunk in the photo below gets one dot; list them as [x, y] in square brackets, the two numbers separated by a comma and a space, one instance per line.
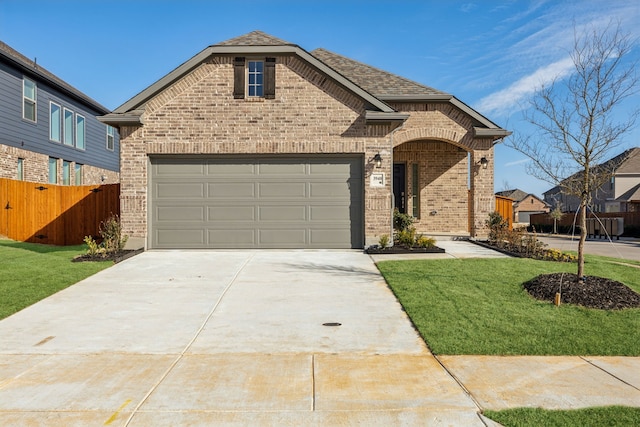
[583, 237]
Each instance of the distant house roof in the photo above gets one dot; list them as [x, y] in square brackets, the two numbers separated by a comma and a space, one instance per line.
[376, 87]
[516, 194]
[631, 162]
[7, 53]
[627, 162]
[633, 195]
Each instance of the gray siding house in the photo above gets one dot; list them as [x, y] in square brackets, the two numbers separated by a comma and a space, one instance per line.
[48, 129]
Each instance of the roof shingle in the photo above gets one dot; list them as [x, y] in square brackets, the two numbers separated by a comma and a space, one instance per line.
[378, 82]
[255, 38]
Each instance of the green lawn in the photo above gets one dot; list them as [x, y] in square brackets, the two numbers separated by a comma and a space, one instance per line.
[30, 272]
[612, 416]
[478, 306]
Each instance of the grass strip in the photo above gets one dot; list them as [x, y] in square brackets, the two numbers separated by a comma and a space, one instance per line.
[610, 416]
[478, 306]
[30, 272]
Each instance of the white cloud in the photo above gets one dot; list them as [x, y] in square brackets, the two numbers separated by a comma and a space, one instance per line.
[517, 162]
[505, 100]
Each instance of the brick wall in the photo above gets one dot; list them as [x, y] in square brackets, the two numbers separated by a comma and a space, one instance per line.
[36, 168]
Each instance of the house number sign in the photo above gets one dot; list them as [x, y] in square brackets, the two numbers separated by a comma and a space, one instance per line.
[377, 179]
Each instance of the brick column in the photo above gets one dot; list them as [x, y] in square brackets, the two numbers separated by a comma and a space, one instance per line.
[481, 192]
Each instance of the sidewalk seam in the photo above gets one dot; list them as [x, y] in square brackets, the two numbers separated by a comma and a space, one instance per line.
[182, 353]
[609, 373]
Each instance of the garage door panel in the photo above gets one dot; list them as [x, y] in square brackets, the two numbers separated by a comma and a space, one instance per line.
[170, 238]
[184, 190]
[282, 189]
[231, 169]
[330, 189]
[289, 237]
[232, 190]
[231, 213]
[181, 169]
[282, 213]
[232, 238]
[180, 213]
[256, 202]
[330, 213]
[323, 237]
[282, 168]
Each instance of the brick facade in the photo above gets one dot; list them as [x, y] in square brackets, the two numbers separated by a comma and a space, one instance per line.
[310, 114]
[36, 168]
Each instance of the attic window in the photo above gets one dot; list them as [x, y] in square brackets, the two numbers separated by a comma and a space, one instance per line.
[259, 75]
[255, 71]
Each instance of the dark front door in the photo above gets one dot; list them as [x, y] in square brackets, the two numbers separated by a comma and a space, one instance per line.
[400, 186]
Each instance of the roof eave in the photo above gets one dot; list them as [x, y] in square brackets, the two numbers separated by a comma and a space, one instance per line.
[67, 90]
[195, 61]
[117, 120]
[384, 117]
[490, 132]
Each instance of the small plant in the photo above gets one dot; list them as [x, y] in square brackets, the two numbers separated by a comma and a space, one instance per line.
[383, 241]
[425, 242]
[93, 248]
[406, 237]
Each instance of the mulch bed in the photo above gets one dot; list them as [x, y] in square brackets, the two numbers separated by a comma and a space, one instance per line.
[595, 292]
[116, 257]
[377, 250]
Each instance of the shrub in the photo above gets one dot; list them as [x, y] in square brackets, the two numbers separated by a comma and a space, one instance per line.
[402, 222]
[112, 239]
[383, 241]
[111, 233]
[497, 226]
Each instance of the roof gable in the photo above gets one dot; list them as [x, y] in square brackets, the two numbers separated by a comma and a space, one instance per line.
[131, 110]
[255, 38]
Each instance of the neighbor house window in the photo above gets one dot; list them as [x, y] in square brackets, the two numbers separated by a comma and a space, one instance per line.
[29, 100]
[111, 137]
[53, 170]
[20, 169]
[80, 132]
[66, 172]
[78, 174]
[256, 78]
[55, 122]
[68, 127]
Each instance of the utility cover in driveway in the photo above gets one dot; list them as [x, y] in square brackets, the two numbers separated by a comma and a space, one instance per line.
[257, 202]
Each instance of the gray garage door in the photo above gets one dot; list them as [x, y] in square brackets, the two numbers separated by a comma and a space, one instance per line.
[264, 202]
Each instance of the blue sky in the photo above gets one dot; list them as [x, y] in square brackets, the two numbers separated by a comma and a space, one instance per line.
[489, 54]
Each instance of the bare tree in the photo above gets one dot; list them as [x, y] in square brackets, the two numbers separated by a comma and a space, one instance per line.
[574, 122]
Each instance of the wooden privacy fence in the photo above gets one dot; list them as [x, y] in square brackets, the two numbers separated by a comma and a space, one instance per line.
[504, 206]
[53, 214]
[630, 218]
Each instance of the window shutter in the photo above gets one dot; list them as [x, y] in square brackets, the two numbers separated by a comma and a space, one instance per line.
[238, 78]
[270, 78]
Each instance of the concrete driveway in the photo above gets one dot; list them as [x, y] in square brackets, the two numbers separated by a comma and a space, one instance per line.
[225, 338]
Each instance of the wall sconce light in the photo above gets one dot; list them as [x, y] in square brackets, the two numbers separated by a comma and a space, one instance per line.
[484, 162]
[378, 160]
[103, 178]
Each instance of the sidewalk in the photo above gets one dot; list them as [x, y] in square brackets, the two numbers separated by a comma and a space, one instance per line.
[625, 248]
